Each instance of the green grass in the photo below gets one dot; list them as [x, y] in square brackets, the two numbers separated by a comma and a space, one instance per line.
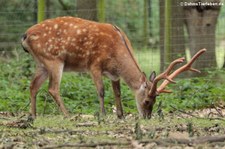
[79, 93]
[149, 60]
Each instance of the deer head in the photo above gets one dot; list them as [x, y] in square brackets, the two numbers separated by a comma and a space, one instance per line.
[148, 91]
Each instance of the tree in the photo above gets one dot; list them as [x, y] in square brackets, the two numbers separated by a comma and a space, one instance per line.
[172, 43]
[201, 22]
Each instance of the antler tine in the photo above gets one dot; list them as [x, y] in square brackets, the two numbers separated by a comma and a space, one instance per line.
[186, 67]
[165, 75]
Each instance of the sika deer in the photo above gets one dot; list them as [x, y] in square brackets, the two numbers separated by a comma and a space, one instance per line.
[74, 44]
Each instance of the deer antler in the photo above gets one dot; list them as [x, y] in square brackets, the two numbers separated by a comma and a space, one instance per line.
[165, 75]
[169, 77]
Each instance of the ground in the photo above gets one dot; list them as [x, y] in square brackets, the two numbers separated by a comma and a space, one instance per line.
[177, 129]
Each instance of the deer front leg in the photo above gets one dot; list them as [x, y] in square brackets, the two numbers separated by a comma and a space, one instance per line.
[55, 75]
[39, 78]
[97, 78]
[117, 94]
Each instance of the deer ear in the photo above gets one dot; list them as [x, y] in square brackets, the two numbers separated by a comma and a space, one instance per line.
[143, 82]
[152, 76]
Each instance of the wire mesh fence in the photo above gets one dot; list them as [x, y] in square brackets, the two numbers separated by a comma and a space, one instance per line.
[17, 16]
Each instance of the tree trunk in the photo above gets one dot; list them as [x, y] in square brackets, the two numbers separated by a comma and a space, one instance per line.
[177, 30]
[201, 26]
[161, 32]
[175, 41]
[87, 9]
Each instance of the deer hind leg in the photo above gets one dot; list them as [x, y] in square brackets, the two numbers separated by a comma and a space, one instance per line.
[55, 75]
[117, 94]
[97, 78]
[40, 76]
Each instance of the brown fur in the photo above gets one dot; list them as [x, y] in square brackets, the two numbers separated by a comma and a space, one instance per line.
[74, 44]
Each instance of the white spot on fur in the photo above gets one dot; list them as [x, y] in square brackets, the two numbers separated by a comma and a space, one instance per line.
[55, 26]
[39, 45]
[84, 30]
[78, 31]
[34, 37]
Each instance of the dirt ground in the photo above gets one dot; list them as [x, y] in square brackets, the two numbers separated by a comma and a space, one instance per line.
[178, 129]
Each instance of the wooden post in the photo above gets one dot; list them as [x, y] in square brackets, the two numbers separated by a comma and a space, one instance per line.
[41, 10]
[167, 32]
[101, 10]
[145, 24]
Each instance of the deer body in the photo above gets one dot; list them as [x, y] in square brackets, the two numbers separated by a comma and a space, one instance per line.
[74, 44]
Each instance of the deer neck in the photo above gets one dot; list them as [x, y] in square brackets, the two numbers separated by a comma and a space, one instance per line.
[131, 74]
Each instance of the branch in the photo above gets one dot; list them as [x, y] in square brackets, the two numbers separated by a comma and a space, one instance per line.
[217, 118]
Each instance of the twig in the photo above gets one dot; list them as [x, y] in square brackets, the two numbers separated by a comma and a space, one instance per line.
[216, 118]
[218, 111]
[89, 145]
[200, 140]
[164, 142]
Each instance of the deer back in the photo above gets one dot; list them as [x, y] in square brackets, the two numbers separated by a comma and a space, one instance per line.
[76, 42]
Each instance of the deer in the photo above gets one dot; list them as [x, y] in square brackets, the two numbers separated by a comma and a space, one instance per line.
[101, 49]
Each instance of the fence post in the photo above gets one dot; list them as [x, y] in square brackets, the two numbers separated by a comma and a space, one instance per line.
[146, 23]
[41, 10]
[101, 10]
[167, 32]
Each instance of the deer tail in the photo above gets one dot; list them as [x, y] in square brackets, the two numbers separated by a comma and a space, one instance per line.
[23, 42]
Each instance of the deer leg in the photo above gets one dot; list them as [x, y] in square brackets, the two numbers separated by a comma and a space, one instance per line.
[39, 78]
[55, 76]
[97, 78]
[117, 94]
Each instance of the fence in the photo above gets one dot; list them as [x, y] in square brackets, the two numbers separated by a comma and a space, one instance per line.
[17, 16]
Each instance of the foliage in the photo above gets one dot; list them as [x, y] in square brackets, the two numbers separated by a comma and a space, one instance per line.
[79, 94]
[196, 93]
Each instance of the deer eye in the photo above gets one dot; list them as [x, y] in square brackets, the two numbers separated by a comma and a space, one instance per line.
[146, 102]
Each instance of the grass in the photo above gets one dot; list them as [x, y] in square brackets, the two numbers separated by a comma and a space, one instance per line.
[86, 127]
[79, 93]
[53, 130]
